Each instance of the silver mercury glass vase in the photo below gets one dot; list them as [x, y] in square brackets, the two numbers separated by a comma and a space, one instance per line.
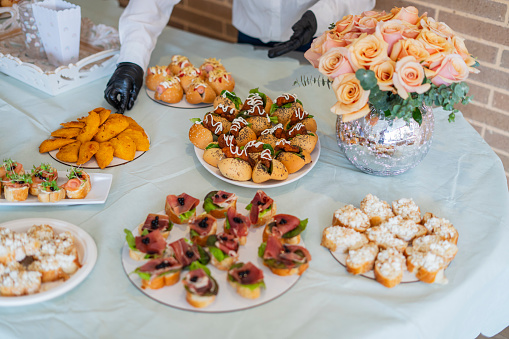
[384, 146]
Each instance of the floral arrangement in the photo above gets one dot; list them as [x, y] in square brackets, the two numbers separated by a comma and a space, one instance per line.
[394, 61]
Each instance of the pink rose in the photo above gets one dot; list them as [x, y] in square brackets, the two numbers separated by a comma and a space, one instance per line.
[345, 24]
[366, 25]
[408, 77]
[438, 28]
[391, 31]
[333, 40]
[315, 51]
[409, 14]
[352, 98]
[334, 63]
[452, 69]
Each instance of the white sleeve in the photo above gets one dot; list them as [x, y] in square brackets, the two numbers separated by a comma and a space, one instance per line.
[330, 11]
[139, 26]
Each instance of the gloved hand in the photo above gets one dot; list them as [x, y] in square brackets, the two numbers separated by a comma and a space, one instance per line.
[303, 31]
[124, 85]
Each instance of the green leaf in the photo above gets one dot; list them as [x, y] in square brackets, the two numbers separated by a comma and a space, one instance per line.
[208, 205]
[195, 265]
[261, 249]
[298, 230]
[417, 115]
[212, 145]
[217, 253]
[269, 147]
[274, 119]
[262, 95]
[129, 238]
[265, 211]
[332, 26]
[273, 108]
[452, 116]
[186, 215]
[195, 120]
[248, 207]
[193, 233]
[367, 79]
[143, 275]
[204, 256]
[226, 224]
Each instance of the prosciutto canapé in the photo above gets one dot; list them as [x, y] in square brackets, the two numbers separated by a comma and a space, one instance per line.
[260, 202]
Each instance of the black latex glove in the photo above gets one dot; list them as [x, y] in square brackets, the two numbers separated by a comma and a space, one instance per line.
[124, 85]
[303, 31]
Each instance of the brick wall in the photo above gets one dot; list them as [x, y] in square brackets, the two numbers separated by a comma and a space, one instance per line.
[483, 23]
[485, 26]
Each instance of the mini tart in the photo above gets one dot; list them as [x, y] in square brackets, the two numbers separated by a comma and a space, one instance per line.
[292, 161]
[51, 196]
[342, 239]
[305, 141]
[362, 260]
[157, 282]
[200, 136]
[235, 169]
[16, 193]
[389, 266]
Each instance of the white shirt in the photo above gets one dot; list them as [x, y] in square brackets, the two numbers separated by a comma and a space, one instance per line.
[142, 21]
[272, 20]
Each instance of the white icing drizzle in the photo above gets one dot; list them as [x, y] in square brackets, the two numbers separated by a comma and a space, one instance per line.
[218, 74]
[237, 152]
[296, 127]
[170, 82]
[225, 109]
[256, 102]
[215, 124]
[224, 95]
[190, 71]
[301, 113]
[266, 154]
[287, 96]
[228, 139]
[271, 130]
[236, 124]
[158, 70]
[253, 143]
[282, 142]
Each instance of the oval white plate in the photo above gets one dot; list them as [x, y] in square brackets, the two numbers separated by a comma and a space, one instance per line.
[87, 252]
[227, 299]
[181, 104]
[101, 184]
[407, 276]
[92, 163]
[267, 184]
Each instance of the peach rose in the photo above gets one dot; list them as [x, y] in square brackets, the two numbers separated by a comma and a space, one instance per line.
[315, 51]
[438, 28]
[366, 25]
[367, 50]
[434, 43]
[410, 31]
[352, 99]
[461, 49]
[408, 77]
[452, 69]
[345, 24]
[350, 37]
[409, 14]
[334, 63]
[406, 47]
[384, 73]
[391, 31]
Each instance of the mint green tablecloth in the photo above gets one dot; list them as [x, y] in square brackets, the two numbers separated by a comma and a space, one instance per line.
[461, 179]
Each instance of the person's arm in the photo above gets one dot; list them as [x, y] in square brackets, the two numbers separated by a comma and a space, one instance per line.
[139, 27]
[317, 19]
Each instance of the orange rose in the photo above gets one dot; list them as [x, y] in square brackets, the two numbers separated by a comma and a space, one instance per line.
[406, 47]
[461, 49]
[409, 14]
[352, 99]
[345, 24]
[452, 69]
[438, 28]
[434, 43]
[367, 50]
[384, 73]
[408, 77]
[334, 63]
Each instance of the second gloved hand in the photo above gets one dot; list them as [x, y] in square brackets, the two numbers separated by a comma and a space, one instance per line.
[303, 31]
[124, 85]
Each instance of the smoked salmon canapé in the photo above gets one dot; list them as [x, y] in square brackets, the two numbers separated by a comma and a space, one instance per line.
[16, 186]
[78, 185]
[41, 174]
[10, 166]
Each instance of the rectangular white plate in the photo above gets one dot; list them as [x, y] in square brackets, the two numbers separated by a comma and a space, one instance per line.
[101, 183]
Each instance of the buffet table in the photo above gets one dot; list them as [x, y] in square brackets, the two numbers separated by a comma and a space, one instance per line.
[461, 179]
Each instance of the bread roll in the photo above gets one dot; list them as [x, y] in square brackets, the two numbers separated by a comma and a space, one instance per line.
[212, 156]
[292, 161]
[235, 169]
[200, 136]
[305, 141]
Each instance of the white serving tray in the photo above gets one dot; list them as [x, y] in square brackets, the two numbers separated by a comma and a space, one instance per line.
[99, 48]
